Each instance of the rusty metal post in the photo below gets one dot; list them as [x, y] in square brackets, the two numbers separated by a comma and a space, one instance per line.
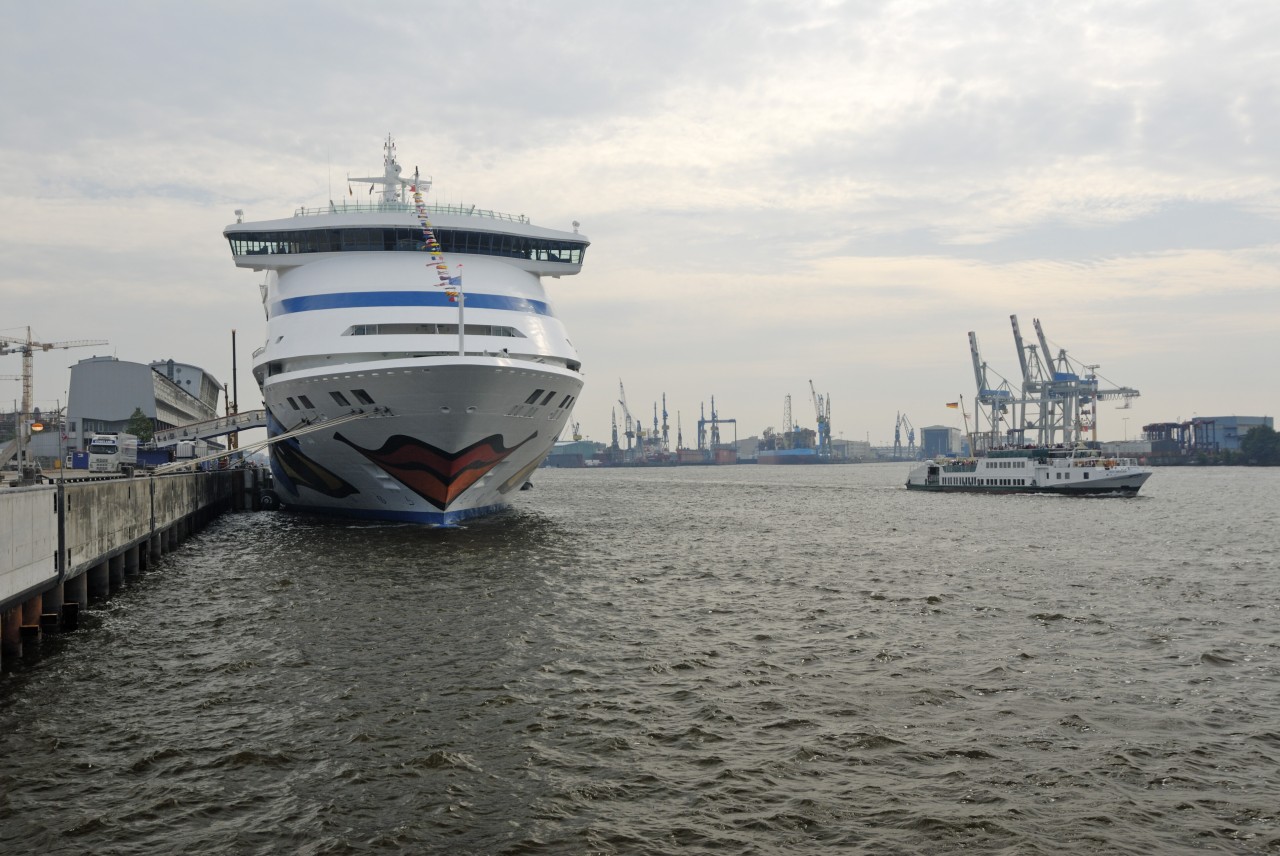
[11, 633]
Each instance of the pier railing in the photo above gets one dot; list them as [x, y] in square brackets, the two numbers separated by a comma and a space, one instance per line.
[407, 208]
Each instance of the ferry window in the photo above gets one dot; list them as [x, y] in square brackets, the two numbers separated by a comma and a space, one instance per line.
[533, 397]
[547, 400]
[339, 398]
[292, 403]
[306, 402]
[362, 396]
[566, 401]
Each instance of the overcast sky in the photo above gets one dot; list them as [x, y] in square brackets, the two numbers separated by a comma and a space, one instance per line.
[775, 192]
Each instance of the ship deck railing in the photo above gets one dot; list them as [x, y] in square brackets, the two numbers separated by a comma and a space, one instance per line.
[407, 208]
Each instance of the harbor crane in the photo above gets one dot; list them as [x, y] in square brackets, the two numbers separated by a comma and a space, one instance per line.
[996, 399]
[1063, 395]
[904, 423]
[714, 422]
[27, 347]
[822, 407]
[1056, 402]
[666, 444]
[627, 428]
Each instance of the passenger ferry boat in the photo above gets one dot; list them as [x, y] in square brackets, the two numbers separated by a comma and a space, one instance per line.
[1077, 471]
[423, 332]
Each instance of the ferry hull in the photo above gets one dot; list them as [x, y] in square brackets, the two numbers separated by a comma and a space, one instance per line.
[1129, 487]
[439, 445]
[1053, 473]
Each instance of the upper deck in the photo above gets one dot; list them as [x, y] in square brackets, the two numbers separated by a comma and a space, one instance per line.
[391, 223]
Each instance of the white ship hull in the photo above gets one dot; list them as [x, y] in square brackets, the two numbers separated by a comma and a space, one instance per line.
[443, 443]
[400, 387]
[1082, 473]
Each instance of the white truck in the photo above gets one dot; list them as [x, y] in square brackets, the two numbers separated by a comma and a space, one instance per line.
[113, 453]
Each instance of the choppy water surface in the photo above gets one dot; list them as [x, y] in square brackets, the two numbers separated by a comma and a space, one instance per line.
[731, 660]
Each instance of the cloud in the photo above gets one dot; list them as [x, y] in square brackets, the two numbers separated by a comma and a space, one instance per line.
[775, 191]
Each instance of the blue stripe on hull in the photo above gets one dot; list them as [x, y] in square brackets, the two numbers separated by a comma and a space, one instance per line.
[350, 299]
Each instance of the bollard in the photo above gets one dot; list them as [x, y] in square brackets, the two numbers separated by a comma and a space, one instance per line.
[51, 609]
[76, 590]
[31, 609]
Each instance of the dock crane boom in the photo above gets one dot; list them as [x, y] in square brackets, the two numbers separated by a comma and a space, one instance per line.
[27, 347]
[822, 406]
[628, 430]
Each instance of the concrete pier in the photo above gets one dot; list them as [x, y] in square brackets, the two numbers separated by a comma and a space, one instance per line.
[63, 545]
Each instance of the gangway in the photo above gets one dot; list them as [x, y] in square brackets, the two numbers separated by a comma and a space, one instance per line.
[175, 466]
[212, 428]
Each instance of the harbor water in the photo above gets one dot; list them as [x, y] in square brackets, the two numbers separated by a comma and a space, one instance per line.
[703, 660]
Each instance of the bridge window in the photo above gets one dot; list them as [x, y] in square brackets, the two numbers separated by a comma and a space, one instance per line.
[339, 398]
[292, 403]
[432, 330]
[533, 396]
[404, 239]
[306, 402]
[362, 396]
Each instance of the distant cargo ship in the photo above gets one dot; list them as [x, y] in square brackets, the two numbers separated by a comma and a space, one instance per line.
[796, 446]
[789, 456]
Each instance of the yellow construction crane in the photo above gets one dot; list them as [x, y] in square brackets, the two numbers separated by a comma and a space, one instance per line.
[27, 347]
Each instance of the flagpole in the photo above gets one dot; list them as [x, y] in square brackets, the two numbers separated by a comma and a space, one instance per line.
[462, 299]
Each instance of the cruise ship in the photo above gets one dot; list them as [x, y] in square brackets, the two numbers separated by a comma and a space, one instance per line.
[422, 334]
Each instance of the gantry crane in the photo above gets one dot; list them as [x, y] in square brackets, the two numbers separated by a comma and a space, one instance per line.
[716, 420]
[27, 347]
[1067, 396]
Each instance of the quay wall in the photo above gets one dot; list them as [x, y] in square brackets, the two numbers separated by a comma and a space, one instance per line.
[63, 545]
[28, 542]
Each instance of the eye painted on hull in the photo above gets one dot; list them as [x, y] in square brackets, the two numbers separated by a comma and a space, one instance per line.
[293, 469]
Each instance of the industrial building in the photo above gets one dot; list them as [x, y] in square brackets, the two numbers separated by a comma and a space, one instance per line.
[1210, 434]
[939, 440]
[105, 392]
